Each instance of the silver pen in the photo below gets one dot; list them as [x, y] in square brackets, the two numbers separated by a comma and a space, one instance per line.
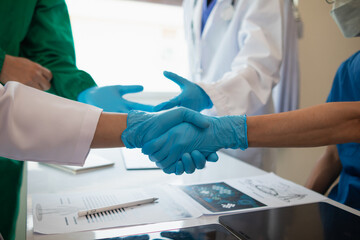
[117, 206]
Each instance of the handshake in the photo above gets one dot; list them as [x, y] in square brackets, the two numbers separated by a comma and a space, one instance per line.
[179, 140]
[182, 140]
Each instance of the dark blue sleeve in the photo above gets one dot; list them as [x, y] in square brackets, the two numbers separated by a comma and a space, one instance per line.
[346, 84]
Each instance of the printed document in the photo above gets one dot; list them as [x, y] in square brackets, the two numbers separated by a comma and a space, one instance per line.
[57, 213]
[249, 194]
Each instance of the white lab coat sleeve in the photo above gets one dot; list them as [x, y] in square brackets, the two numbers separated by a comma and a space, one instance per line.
[247, 87]
[38, 126]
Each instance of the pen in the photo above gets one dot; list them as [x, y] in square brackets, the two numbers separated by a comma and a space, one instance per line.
[113, 207]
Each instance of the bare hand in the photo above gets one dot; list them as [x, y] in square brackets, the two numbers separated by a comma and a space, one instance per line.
[26, 72]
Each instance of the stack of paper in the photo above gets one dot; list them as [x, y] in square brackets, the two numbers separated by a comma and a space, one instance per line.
[58, 213]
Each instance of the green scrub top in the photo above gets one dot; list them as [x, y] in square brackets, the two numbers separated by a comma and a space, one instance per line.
[40, 31]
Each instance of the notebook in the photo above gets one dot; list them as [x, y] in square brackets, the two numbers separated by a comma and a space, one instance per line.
[93, 162]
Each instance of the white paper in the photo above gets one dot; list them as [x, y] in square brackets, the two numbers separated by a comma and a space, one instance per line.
[93, 162]
[57, 213]
[134, 159]
[258, 192]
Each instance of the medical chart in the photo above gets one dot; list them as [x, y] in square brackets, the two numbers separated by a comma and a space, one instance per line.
[249, 194]
[57, 213]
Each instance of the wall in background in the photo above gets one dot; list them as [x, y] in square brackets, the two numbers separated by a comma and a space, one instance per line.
[322, 49]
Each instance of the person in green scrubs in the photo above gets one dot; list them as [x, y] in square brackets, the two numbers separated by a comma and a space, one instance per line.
[37, 49]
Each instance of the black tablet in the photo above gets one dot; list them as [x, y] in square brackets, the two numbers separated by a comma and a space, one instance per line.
[309, 221]
[204, 232]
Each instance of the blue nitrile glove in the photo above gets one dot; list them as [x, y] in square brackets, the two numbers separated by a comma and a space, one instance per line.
[223, 132]
[110, 98]
[192, 96]
[178, 235]
[189, 162]
[143, 127]
[134, 237]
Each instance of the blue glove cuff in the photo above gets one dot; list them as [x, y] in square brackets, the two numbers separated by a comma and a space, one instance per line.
[83, 96]
[244, 141]
[239, 126]
[207, 101]
[130, 134]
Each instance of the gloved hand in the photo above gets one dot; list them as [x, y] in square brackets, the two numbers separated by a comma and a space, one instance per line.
[134, 237]
[177, 235]
[143, 127]
[223, 132]
[110, 98]
[192, 96]
[191, 161]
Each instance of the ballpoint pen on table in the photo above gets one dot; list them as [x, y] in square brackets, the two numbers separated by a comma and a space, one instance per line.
[117, 206]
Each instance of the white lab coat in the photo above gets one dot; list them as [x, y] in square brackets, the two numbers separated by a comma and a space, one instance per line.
[237, 59]
[286, 92]
[42, 127]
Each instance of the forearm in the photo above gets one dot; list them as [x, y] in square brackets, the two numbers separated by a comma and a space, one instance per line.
[324, 124]
[325, 172]
[108, 131]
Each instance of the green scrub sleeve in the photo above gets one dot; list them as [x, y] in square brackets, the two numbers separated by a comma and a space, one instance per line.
[2, 59]
[70, 83]
[50, 43]
[10, 184]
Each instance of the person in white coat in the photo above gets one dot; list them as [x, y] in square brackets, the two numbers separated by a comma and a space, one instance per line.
[238, 52]
[38, 126]
[42, 127]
